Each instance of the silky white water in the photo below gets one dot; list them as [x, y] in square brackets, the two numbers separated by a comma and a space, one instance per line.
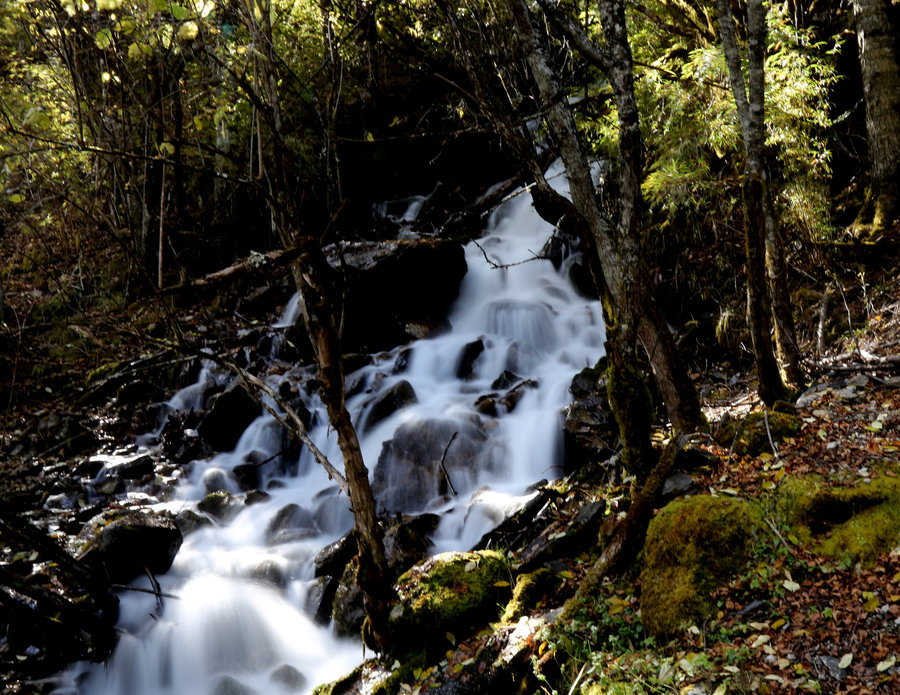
[230, 633]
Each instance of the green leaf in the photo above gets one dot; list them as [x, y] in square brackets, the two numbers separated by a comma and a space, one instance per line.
[139, 51]
[179, 12]
[166, 148]
[103, 39]
[16, 198]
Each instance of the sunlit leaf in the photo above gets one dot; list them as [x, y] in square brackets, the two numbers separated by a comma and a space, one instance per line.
[16, 198]
[845, 661]
[188, 31]
[790, 585]
[886, 664]
[103, 39]
[179, 12]
[108, 5]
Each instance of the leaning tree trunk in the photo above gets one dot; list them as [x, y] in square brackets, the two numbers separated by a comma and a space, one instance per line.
[317, 290]
[881, 89]
[622, 267]
[750, 110]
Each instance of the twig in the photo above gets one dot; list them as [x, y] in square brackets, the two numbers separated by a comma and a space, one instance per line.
[128, 587]
[444, 468]
[503, 266]
[157, 589]
[769, 433]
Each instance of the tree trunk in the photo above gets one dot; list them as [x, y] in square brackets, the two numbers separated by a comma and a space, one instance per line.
[750, 110]
[621, 264]
[315, 283]
[881, 89]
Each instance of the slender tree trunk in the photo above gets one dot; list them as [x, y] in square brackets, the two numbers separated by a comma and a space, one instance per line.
[618, 250]
[750, 109]
[317, 287]
[881, 88]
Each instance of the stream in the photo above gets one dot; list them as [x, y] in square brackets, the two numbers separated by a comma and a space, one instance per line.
[519, 332]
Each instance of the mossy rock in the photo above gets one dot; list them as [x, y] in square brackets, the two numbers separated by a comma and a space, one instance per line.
[852, 524]
[693, 546]
[530, 588]
[447, 593]
[750, 436]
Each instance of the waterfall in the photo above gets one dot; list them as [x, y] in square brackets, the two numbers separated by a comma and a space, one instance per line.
[519, 332]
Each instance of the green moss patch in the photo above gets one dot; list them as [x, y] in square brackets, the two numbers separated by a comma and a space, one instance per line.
[529, 590]
[694, 545]
[750, 436]
[448, 593]
[851, 524]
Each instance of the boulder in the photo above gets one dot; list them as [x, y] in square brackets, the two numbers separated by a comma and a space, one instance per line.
[750, 436]
[408, 473]
[388, 402]
[395, 283]
[291, 522]
[227, 417]
[121, 543]
[452, 592]
[694, 545]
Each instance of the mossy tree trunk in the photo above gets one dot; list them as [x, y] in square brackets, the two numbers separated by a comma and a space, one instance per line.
[880, 67]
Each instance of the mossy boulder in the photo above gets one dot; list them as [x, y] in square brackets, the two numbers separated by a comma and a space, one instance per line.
[448, 593]
[750, 436]
[852, 524]
[693, 545]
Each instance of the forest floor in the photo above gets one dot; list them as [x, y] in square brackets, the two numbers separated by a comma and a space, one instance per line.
[795, 622]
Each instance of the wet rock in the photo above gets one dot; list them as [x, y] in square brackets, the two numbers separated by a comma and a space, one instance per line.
[589, 432]
[179, 439]
[255, 497]
[291, 522]
[394, 283]
[246, 475]
[189, 521]
[228, 685]
[215, 480]
[221, 505]
[270, 572]
[121, 544]
[333, 558]
[288, 678]
[133, 469]
[320, 599]
[139, 392]
[228, 415]
[466, 366]
[408, 473]
[389, 402]
[506, 380]
[406, 542]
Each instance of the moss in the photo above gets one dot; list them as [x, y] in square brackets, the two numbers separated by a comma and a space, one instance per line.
[693, 546]
[750, 436]
[844, 523]
[529, 589]
[449, 592]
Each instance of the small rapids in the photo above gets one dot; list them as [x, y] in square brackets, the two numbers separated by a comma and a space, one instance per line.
[242, 622]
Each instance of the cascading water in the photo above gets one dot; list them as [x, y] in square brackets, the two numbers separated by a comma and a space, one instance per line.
[240, 624]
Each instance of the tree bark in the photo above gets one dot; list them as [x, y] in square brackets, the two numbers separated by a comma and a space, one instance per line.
[317, 288]
[623, 269]
[881, 89]
[750, 109]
